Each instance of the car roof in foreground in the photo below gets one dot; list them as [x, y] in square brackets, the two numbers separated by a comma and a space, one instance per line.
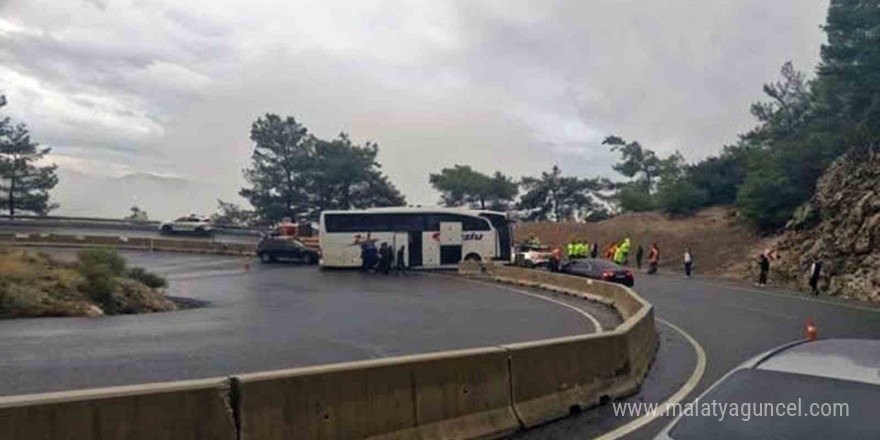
[848, 359]
[826, 371]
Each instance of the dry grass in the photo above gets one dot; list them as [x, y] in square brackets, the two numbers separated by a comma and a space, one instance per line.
[35, 285]
[715, 236]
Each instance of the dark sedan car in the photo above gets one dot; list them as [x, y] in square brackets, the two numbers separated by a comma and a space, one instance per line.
[599, 270]
[273, 248]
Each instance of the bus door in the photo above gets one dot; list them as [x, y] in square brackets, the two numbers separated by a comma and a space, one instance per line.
[414, 247]
[400, 240]
[450, 242]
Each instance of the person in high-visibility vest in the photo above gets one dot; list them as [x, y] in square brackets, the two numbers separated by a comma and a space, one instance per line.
[570, 250]
[609, 253]
[621, 256]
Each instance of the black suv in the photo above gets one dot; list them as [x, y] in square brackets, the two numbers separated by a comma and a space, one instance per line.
[276, 247]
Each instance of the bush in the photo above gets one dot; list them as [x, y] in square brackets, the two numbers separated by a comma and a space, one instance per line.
[632, 197]
[149, 279]
[99, 285]
[681, 198]
[108, 258]
[768, 198]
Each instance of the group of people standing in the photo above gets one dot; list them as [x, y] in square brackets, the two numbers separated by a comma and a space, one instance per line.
[382, 259]
[581, 249]
[618, 252]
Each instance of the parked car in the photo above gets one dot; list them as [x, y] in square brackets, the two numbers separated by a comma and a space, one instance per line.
[274, 247]
[532, 256]
[190, 224]
[598, 269]
[838, 378]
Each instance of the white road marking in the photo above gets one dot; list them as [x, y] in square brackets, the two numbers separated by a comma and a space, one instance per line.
[802, 298]
[784, 295]
[679, 395]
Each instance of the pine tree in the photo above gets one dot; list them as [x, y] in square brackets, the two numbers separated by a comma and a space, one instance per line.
[24, 185]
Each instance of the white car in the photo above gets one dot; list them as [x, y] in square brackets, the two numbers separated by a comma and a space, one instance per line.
[190, 224]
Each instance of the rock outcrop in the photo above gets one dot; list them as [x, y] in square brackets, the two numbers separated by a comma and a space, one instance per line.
[839, 226]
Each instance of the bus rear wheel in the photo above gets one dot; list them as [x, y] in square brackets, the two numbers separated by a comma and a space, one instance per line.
[472, 257]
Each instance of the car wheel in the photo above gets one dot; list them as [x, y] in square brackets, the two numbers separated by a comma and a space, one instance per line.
[167, 229]
[530, 264]
[310, 259]
[266, 257]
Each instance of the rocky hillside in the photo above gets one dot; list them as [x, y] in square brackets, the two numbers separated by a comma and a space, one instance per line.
[841, 227]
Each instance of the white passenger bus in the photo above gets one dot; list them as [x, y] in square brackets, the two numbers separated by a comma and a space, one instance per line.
[431, 237]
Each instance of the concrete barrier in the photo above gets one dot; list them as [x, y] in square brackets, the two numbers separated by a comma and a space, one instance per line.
[131, 243]
[552, 378]
[177, 410]
[451, 395]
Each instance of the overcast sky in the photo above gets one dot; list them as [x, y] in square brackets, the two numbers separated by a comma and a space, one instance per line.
[172, 87]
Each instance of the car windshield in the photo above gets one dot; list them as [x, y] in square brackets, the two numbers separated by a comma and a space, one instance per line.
[753, 390]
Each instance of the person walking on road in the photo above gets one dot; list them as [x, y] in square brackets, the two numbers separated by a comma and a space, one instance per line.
[400, 267]
[594, 251]
[639, 254]
[556, 259]
[384, 264]
[653, 259]
[688, 262]
[815, 272]
[764, 266]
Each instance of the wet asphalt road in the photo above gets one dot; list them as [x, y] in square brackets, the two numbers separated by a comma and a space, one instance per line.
[271, 317]
[732, 322]
[285, 315]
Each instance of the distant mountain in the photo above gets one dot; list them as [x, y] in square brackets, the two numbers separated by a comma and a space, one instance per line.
[161, 197]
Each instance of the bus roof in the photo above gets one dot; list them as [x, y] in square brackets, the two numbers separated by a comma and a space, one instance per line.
[415, 209]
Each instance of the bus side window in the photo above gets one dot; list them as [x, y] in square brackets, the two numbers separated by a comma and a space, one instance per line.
[474, 224]
[407, 222]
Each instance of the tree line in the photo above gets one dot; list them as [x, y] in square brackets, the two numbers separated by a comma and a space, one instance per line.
[802, 126]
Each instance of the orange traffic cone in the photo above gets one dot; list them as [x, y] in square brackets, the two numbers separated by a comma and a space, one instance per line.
[810, 332]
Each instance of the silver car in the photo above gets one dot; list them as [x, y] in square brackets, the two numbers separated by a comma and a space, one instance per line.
[194, 224]
[822, 389]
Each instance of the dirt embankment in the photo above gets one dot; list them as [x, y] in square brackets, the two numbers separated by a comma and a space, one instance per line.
[715, 236]
[34, 284]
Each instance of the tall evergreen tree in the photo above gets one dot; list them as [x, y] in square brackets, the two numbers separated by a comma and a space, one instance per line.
[24, 184]
[279, 166]
[848, 85]
[294, 174]
[556, 197]
[462, 185]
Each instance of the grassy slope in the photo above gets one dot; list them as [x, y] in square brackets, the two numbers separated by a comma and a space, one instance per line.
[35, 285]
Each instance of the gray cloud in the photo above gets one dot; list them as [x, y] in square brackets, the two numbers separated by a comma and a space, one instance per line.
[510, 86]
